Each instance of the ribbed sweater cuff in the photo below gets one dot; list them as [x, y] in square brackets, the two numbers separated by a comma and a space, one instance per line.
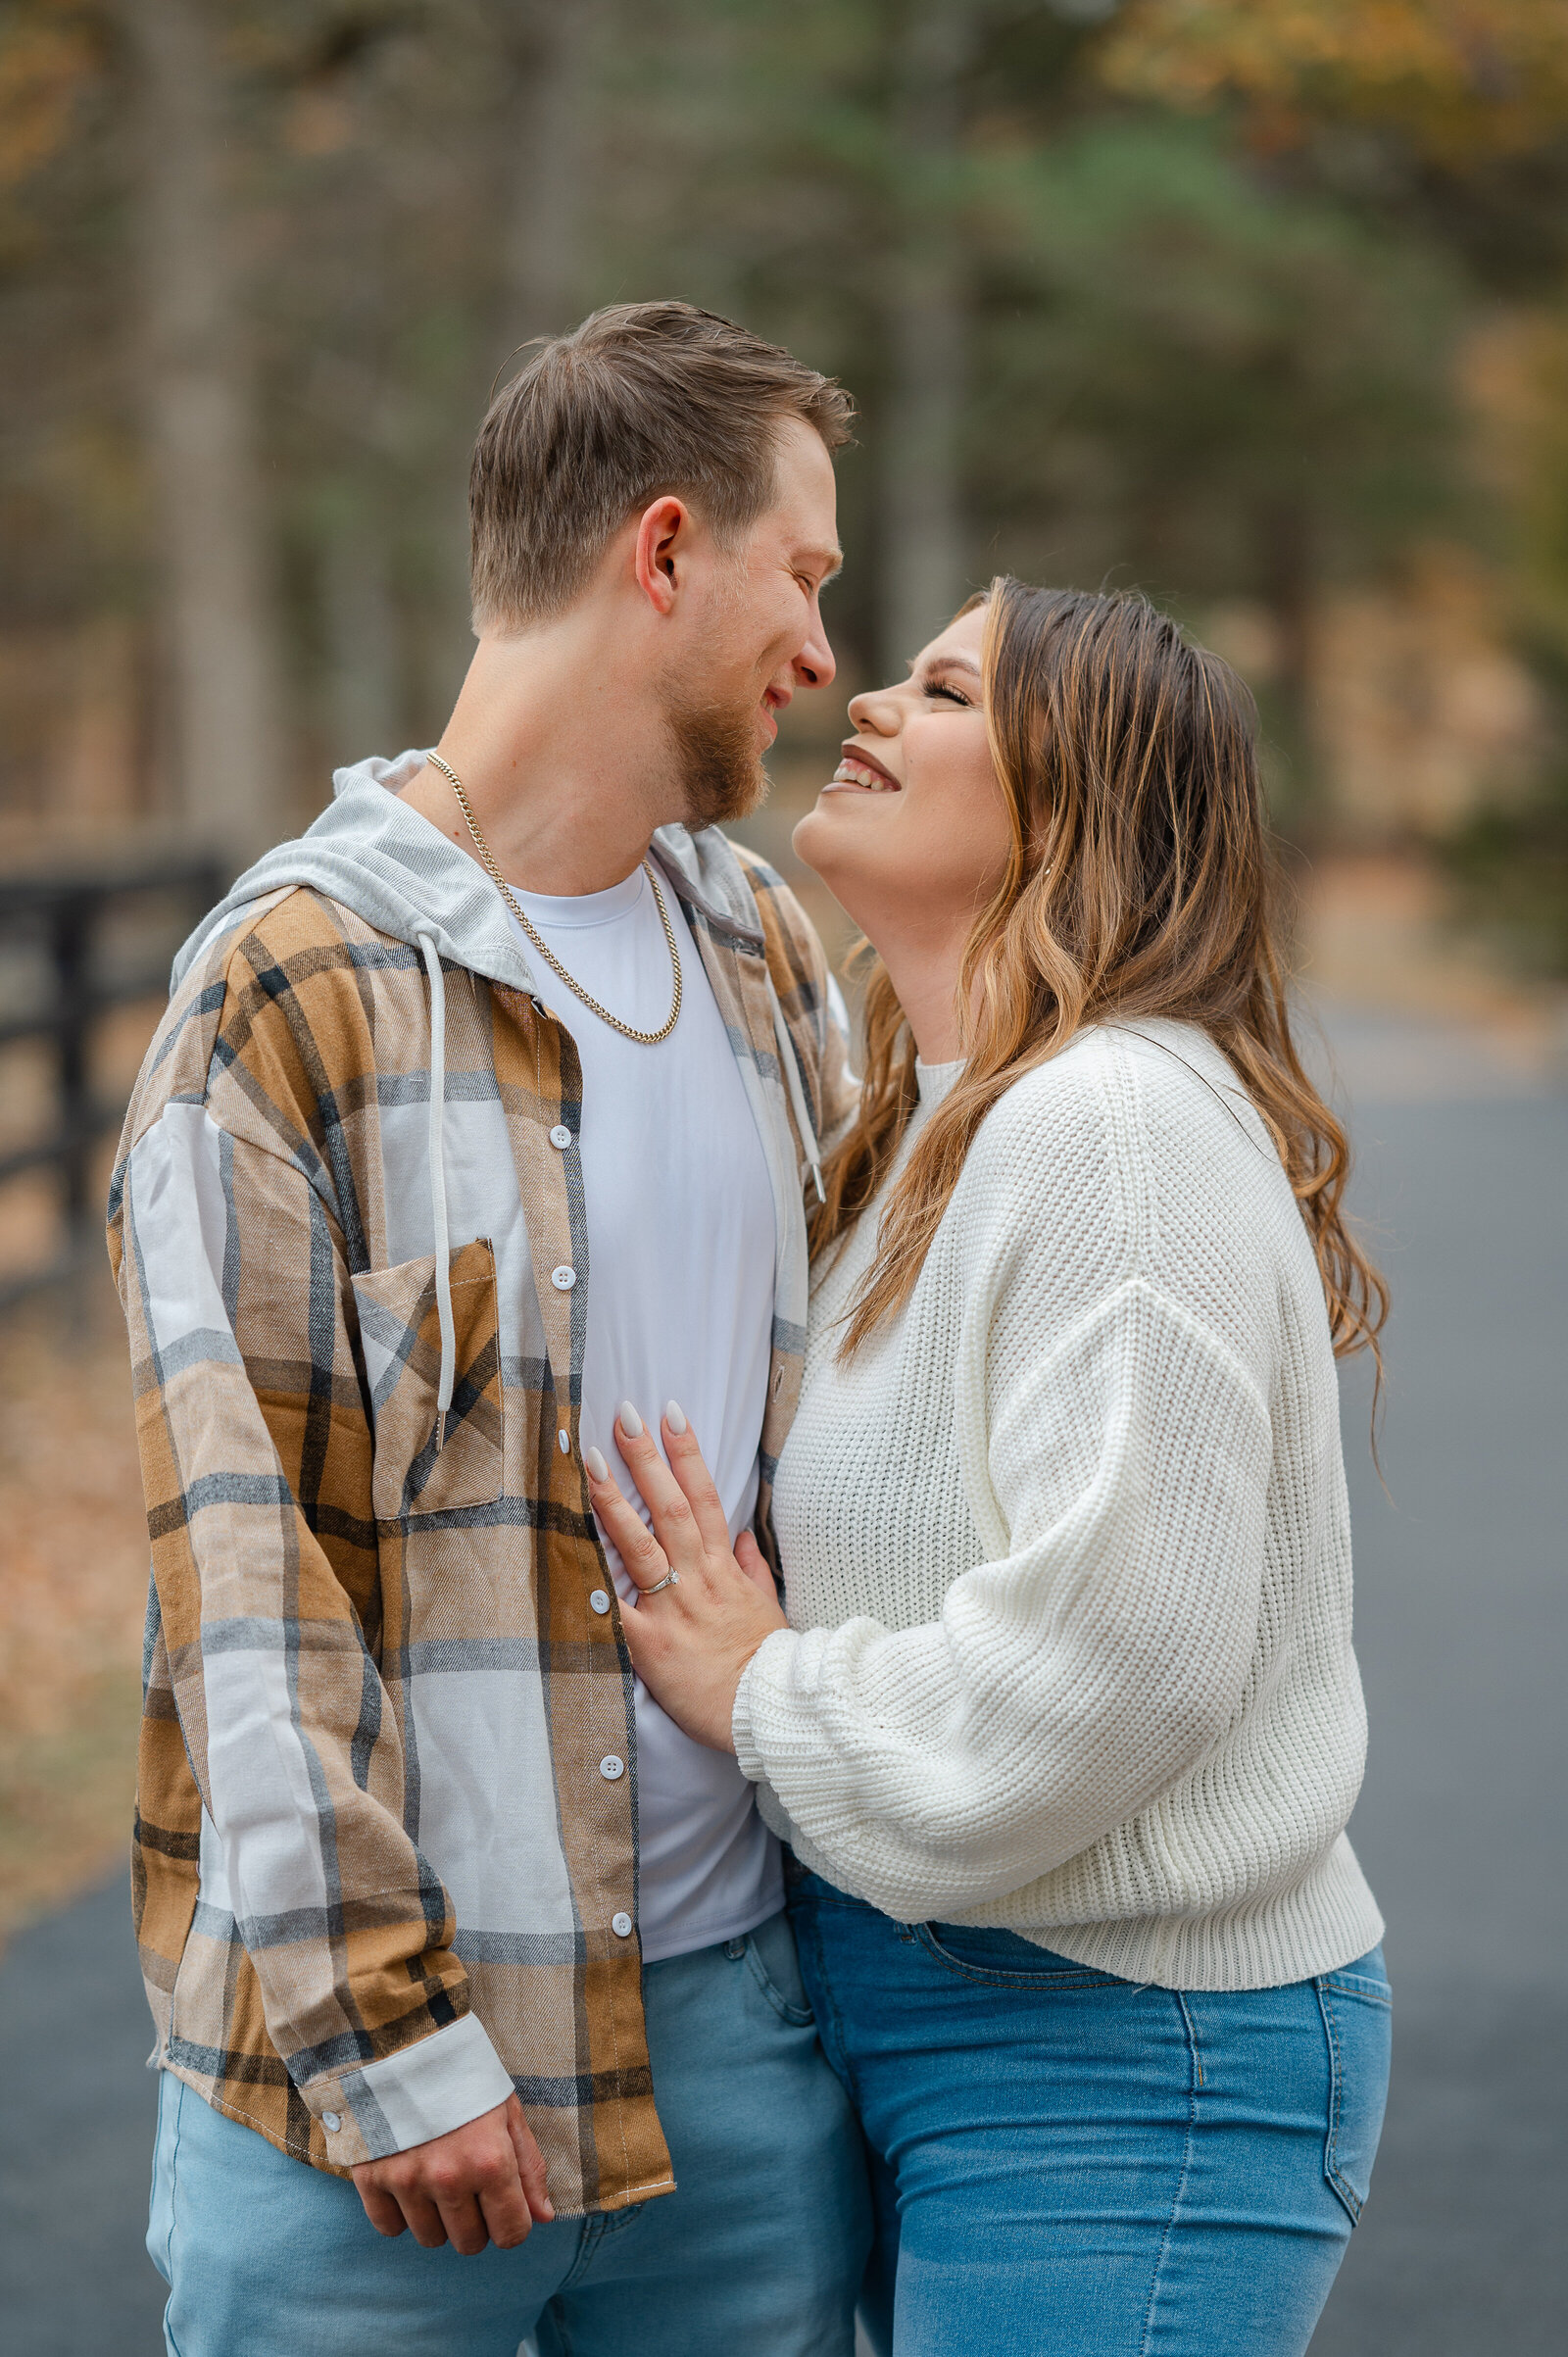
[768, 1660]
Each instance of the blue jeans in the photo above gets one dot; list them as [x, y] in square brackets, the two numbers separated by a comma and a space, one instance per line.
[1069, 2165]
[760, 2248]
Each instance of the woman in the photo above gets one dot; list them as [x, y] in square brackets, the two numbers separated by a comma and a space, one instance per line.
[1064, 1725]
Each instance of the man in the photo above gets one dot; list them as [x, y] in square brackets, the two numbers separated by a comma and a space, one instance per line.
[486, 1106]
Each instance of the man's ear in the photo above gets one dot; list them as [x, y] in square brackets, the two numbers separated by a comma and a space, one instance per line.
[663, 537]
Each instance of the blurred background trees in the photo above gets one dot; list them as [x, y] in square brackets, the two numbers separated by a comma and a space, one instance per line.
[1263, 308]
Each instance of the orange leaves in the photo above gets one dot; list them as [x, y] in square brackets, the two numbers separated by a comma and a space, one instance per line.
[1460, 77]
[48, 53]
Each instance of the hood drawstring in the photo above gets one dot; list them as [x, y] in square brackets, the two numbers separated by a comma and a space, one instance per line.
[438, 1182]
[797, 1095]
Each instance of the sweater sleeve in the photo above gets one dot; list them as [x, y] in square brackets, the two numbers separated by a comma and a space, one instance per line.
[1102, 1650]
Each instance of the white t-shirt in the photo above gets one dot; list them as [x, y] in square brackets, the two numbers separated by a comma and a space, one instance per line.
[680, 1307]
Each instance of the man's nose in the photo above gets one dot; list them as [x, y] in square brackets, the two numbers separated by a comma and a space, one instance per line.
[815, 665]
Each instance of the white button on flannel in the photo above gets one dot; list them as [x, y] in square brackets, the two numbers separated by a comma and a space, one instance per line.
[563, 1279]
[610, 1767]
[331, 2120]
[620, 1925]
[564, 1440]
[561, 1135]
[598, 1600]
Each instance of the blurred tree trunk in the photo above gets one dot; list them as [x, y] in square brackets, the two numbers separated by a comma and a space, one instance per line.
[545, 122]
[530, 174]
[361, 625]
[923, 569]
[221, 618]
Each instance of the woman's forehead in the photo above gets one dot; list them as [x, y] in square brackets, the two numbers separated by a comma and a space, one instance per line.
[963, 638]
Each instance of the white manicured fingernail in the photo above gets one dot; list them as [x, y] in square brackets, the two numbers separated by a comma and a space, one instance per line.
[631, 1423]
[674, 1415]
[596, 1465]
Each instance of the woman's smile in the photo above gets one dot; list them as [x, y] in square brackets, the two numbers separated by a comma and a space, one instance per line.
[864, 774]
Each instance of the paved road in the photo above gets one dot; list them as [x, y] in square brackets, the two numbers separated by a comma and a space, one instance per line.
[1463, 1634]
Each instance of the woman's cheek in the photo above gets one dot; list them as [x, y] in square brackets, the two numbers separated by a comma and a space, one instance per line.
[954, 853]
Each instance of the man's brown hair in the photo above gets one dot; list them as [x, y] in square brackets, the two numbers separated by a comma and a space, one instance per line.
[642, 400]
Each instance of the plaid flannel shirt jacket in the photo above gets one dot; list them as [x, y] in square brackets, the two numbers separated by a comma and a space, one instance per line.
[378, 1879]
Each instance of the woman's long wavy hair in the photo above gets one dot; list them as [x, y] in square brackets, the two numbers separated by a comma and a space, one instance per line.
[1141, 881]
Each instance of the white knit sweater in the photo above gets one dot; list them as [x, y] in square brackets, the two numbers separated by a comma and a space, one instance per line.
[1066, 1548]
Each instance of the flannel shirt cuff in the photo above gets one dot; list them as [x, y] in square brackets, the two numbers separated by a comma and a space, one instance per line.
[450, 2078]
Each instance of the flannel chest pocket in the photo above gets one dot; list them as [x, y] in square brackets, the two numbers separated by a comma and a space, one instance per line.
[400, 1334]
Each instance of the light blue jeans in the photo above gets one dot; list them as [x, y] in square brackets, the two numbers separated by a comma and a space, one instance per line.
[757, 2253]
[1067, 2165]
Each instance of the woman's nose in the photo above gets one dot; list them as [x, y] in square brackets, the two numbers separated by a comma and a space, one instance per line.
[875, 708]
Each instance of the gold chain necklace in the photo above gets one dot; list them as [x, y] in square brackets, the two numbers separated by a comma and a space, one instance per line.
[644, 1039]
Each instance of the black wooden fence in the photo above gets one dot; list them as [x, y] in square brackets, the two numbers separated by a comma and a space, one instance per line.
[54, 934]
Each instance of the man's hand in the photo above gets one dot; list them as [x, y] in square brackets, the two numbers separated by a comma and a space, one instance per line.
[484, 2183]
[690, 1642]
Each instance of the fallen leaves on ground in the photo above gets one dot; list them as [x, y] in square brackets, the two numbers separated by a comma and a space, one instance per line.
[72, 1597]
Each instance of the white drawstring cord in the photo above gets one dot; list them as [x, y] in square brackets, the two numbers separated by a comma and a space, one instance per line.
[797, 1095]
[439, 1183]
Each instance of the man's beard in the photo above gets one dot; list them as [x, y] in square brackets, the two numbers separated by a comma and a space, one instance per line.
[716, 758]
